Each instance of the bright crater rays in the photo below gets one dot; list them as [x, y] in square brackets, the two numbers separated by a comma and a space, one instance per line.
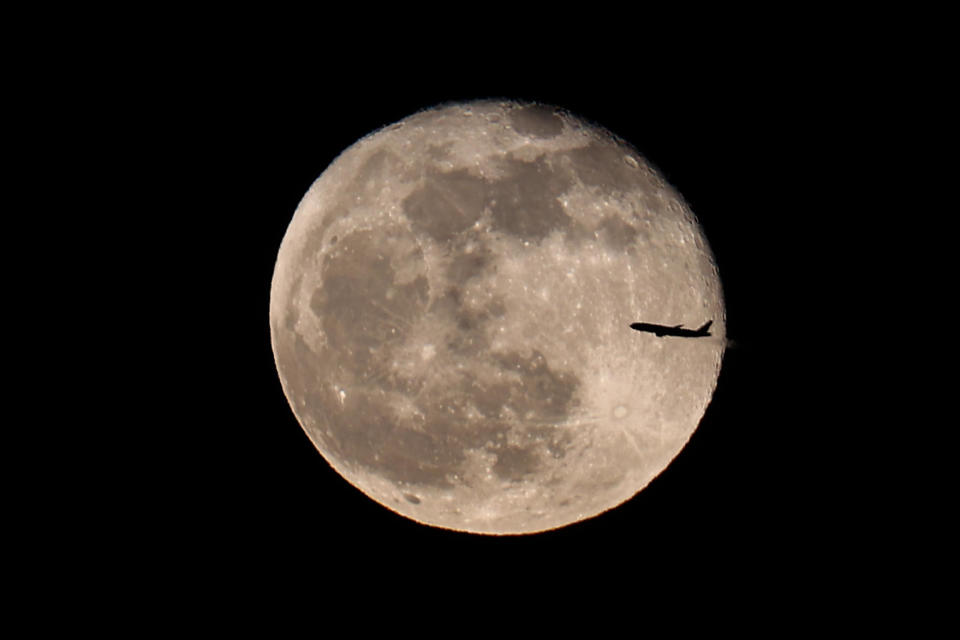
[450, 315]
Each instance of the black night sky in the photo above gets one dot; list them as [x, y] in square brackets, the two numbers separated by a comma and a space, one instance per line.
[171, 149]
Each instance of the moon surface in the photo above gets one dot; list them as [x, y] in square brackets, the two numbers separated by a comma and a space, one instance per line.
[450, 313]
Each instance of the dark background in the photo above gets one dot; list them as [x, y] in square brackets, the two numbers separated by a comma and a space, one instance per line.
[754, 493]
[173, 150]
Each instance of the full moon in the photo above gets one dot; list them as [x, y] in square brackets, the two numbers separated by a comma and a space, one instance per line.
[450, 317]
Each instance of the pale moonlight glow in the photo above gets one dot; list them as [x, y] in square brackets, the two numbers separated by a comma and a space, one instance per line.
[450, 315]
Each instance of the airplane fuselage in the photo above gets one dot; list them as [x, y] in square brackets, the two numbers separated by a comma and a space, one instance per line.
[678, 331]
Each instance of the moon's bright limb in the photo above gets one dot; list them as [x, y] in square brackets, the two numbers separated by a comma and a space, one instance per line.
[450, 315]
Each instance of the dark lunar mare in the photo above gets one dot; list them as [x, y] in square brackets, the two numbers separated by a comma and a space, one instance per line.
[366, 317]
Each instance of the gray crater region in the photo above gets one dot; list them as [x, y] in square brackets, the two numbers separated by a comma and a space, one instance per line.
[449, 316]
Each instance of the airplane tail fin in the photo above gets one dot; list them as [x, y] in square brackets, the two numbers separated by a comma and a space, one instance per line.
[706, 326]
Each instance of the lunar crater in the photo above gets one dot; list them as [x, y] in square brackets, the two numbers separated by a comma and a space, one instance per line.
[535, 120]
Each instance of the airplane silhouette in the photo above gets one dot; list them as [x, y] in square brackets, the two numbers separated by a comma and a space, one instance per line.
[663, 330]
